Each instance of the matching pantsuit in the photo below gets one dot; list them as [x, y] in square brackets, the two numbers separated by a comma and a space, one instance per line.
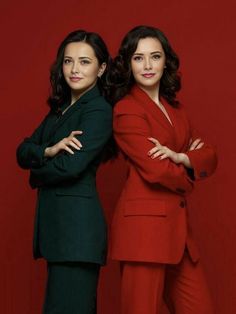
[70, 229]
[150, 233]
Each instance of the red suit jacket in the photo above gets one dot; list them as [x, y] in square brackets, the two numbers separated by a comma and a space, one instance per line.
[150, 221]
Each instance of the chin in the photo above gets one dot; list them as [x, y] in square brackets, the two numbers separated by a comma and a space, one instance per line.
[149, 84]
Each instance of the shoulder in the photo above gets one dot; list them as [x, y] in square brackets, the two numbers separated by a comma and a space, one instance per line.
[183, 111]
[128, 105]
[98, 103]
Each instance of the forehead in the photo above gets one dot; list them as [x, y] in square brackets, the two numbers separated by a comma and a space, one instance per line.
[79, 49]
[148, 45]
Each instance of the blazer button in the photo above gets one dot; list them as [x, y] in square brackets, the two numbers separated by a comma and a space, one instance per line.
[182, 204]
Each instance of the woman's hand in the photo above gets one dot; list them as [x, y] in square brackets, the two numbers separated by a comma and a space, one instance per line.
[66, 144]
[195, 144]
[163, 152]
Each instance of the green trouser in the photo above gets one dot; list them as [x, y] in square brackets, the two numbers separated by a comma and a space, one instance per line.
[71, 288]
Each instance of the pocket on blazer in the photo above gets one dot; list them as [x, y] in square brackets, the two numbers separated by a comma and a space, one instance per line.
[83, 190]
[145, 207]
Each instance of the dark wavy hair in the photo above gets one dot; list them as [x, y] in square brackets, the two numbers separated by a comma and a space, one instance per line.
[60, 91]
[121, 78]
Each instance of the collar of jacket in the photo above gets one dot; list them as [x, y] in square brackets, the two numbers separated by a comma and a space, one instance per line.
[84, 99]
[140, 94]
[148, 104]
[89, 95]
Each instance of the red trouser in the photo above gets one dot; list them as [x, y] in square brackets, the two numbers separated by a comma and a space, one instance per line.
[182, 286]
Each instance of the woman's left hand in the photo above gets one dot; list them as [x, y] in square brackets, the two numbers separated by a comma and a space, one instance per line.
[163, 152]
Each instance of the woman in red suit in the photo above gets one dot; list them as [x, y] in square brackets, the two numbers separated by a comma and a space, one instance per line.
[150, 234]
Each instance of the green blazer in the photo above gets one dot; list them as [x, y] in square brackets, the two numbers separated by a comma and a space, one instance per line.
[69, 224]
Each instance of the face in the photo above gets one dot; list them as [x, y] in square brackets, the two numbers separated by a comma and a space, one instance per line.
[148, 63]
[81, 68]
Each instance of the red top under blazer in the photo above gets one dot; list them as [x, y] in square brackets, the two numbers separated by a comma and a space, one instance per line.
[150, 220]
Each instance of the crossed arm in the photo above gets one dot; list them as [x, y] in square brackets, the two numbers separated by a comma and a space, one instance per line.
[163, 152]
[159, 164]
[131, 132]
[68, 158]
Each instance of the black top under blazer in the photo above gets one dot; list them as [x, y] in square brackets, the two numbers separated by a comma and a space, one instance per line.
[69, 224]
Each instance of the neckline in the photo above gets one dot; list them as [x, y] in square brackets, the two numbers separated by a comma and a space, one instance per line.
[67, 108]
[164, 111]
[144, 98]
[86, 97]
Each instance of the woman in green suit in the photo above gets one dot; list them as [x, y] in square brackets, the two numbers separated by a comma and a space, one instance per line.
[62, 155]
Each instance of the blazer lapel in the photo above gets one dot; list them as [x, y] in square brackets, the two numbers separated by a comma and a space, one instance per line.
[92, 93]
[149, 105]
[179, 129]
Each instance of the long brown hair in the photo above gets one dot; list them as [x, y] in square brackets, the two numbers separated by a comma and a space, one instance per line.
[121, 78]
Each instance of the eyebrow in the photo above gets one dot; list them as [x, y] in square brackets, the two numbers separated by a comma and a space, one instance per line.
[80, 58]
[152, 53]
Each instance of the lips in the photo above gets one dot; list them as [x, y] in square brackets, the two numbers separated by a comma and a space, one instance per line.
[75, 79]
[148, 75]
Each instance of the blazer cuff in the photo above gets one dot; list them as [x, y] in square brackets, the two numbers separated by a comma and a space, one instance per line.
[38, 159]
[203, 162]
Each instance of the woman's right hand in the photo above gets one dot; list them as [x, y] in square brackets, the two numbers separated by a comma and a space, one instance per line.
[197, 144]
[66, 144]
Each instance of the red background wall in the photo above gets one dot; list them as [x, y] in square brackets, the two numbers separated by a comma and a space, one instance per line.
[203, 34]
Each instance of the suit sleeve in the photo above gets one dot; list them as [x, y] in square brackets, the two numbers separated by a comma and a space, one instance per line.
[97, 128]
[30, 153]
[203, 160]
[131, 132]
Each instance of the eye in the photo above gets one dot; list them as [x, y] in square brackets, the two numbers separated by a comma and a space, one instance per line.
[67, 61]
[137, 58]
[156, 57]
[84, 62]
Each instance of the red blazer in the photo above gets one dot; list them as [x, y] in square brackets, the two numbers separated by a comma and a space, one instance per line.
[150, 220]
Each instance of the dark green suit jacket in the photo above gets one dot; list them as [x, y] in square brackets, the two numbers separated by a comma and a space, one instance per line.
[69, 223]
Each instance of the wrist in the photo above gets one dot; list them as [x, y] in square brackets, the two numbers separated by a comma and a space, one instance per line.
[47, 152]
[184, 160]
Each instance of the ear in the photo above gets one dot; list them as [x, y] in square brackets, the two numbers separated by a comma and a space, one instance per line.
[102, 69]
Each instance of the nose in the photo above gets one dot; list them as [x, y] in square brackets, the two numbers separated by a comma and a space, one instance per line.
[74, 68]
[147, 64]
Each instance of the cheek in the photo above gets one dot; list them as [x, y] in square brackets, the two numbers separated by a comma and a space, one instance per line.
[135, 68]
[91, 73]
[159, 69]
